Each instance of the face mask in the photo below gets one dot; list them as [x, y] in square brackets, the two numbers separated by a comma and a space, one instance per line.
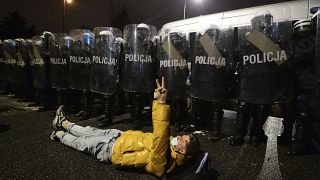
[174, 142]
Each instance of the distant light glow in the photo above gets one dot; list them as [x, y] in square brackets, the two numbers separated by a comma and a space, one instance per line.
[198, 1]
[69, 1]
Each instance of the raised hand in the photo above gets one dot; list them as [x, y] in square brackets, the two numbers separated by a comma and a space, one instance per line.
[160, 93]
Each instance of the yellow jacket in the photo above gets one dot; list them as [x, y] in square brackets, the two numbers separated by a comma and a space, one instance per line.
[148, 150]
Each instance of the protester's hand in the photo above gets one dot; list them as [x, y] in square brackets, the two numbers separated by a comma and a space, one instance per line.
[160, 93]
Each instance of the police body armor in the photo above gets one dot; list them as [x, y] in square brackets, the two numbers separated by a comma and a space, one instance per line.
[211, 66]
[172, 56]
[265, 49]
[80, 59]
[59, 60]
[105, 61]
[139, 65]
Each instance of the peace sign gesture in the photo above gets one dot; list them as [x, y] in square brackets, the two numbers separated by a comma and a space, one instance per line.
[160, 93]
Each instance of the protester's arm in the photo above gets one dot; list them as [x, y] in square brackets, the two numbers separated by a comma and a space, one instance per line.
[161, 132]
[161, 127]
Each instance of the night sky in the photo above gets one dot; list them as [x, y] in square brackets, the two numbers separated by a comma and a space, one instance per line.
[47, 14]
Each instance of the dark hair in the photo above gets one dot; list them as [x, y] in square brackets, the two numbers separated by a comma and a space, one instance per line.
[193, 147]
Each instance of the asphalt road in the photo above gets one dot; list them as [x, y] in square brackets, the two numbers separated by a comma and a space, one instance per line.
[26, 152]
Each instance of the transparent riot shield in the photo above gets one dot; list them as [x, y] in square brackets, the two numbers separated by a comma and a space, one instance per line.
[9, 53]
[315, 103]
[265, 43]
[80, 59]
[59, 60]
[212, 64]
[21, 59]
[139, 65]
[172, 64]
[40, 62]
[105, 60]
[3, 71]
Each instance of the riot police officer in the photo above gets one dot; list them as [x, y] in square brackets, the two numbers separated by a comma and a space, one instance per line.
[59, 64]
[211, 69]
[105, 68]
[80, 68]
[138, 68]
[306, 60]
[172, 57]
[265, 79]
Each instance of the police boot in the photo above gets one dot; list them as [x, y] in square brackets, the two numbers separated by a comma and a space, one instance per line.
[108, 111]
[243, 117]
[137, 108]
[303, 139]
[60, 99]
[87, 104]
[41, 101]
[288, 113]
[121, 97]
[179, 107]
[259, 117]
[216, 116]
[195, 115]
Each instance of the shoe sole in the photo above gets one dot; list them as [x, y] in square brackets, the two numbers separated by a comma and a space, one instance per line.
[55, 122]
[53, 135]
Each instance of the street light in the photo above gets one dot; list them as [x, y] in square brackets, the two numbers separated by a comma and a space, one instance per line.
[64, 12]
[185, 7]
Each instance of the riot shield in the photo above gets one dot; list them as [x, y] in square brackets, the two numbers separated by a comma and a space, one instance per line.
[21, 65]
[315, 103]
[9, 53]
[80, 59]
[139, 65]
[40, 62]
[265, 50]
[212, 64]
[172, 57]
[59, 60]
[3, 72]
[105, 61]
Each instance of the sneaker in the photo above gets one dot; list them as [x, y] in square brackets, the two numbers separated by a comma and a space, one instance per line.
[53, 135]
[60, 117]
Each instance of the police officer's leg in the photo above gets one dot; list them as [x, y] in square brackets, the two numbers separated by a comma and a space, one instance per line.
[303, 138]
[243, 117]
[137, 108]
[288, 113]
[216, 115]
[195, 112]
[259, 117]
[87, 104]
[108, 110]
[121, 97]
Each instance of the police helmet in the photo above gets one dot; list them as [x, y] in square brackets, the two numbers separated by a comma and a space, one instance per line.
[143, 31]
[262, 21]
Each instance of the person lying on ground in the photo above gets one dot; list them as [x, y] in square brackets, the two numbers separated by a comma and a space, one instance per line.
[156, 152]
